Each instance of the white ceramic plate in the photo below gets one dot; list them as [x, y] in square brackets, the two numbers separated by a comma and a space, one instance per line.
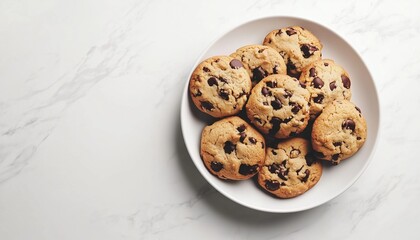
[335, 180]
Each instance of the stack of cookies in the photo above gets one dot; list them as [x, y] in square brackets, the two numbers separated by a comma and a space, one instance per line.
[284, 94]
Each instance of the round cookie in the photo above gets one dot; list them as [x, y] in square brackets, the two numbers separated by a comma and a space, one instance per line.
[326, 81]
[339, 131]
[279, 106]
[232, 149]
[290, 169]
[260, 61]
[219, 86]
[298, 47]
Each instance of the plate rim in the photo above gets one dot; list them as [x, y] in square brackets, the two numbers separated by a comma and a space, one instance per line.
[310, 206]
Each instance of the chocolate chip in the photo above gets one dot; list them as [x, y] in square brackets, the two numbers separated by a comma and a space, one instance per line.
[283, 173]
[265, 91]
[275, 71]
[229, 147]
[246, 169]
[273, 152]
[280, 170]
[198, 93]
[206, 69]
[358, 138]
[242, 137]
[252, 140]
[265, 103]
[262, 145]
[279, 32]
[335, 157]
[275, 122]
[312, 72]
[286, 120]
[332, 85]
[216, 166]
[337, 144]
[348, 124]
[295, 107]
[235, 64]
[212, 81]
[291, 69]
[335, 163]
[274, 168]
[358, 109]
[287, 94]
[271, 84]
[303, 85]
[241, 128]
[272, 185]
[207, 105]
[346, 81]
[224, 94]
[308, 50]
[261, 50]
[326, 64]
[319, 98]
[291, 31]
[318, 83]
[294, 153]
[258, 74]
[283, 177]
[223, 80]
[307, 172]
[309, 159]
[282, 184]
[297, 171]
[276, 104]
[283, 163]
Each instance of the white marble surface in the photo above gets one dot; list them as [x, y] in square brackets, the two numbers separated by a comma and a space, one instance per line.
[90, 141]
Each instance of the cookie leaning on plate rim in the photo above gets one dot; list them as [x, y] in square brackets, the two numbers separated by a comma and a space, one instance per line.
[365, 96]
[232, 149]
[219, 86]
[326, 81]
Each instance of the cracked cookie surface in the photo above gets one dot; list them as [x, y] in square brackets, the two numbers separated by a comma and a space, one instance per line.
[289, 169]
[298, 47]
[232, 149]
[326, 81]
[219, 86]
[339, 131]
[278, 106]
[260, 61]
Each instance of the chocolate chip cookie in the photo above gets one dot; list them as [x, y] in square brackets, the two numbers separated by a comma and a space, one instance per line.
[279, 106]
[326, 81]
[298, 47]
[220, 86]
[339, 131]
[260, 61]
[232, 149]
[290, 169]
